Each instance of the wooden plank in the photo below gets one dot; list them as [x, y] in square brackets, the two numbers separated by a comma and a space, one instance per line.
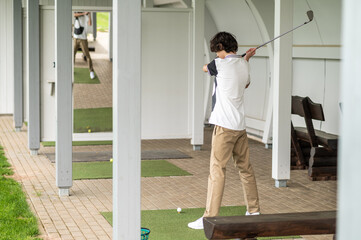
[268, 225]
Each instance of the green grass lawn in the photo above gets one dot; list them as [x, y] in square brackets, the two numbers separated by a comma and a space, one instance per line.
[93, 119]
[103, 21]
[16, 219]
[103, 170]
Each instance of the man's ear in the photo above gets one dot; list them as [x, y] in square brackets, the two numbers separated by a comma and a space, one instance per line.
[220, 47]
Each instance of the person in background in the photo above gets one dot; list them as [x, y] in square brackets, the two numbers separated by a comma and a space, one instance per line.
[80, 37]
[229, 139]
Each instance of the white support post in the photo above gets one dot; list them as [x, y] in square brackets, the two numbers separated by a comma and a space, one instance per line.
[148, 3]
[110, 36]
[198, 84]
[126, 118]
[18, 65]
[349, 164]
[282, 88]
[33, 61]
[63, 95]
[94, 25]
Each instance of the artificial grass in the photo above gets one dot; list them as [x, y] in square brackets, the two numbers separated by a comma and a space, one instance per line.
[103, 21]
[101, 170]
[16, 219]
[79, 143]
[82, 75]
[93, 120]
[168, 224]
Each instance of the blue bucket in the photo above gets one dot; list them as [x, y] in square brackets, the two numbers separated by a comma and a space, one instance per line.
[144, 233]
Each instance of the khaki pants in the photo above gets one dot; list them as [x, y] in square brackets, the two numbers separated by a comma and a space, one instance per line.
[84, 47]
[228, 143]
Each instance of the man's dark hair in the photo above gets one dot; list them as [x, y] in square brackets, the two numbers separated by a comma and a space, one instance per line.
[224, 41]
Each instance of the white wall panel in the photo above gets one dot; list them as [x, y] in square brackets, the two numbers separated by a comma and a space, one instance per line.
[165, 69]
[332, 97]
[6, 58]
[47, 74]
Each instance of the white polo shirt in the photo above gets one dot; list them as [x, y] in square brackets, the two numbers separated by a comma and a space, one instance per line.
[82, 21]
[232, 77]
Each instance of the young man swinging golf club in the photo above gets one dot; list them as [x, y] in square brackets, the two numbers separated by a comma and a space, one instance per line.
[229, 139]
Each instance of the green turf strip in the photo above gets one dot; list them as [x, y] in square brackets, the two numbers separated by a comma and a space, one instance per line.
[168, 224]
[93, 119]
[99, 170]
[16, 219]
[82, 75]
[79, 143]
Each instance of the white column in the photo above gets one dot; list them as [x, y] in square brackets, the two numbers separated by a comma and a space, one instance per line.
[94, 25]
[349, 164]
[282, 88]
[63, 95]
[198, 84]
[126, 118]
[33, 75]
[18, 65]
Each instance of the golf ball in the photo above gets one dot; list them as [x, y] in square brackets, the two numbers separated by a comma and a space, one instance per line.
[111, 160]
[89, 130]
[179, 210]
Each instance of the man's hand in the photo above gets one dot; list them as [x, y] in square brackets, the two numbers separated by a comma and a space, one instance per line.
[250, 53]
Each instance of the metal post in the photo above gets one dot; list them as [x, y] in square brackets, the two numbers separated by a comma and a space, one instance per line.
[126, 119]
[18, 65]
[33, 61]
[282, 88]
[198, 83]
[63, 98]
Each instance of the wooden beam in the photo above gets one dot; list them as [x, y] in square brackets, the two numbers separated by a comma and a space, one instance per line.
[270, 225]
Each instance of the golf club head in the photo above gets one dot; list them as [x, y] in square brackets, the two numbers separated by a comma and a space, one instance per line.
[310, 15]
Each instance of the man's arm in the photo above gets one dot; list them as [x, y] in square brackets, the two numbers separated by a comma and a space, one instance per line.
[205, 69]
[78, 14]
[250, 52]
[90, 19]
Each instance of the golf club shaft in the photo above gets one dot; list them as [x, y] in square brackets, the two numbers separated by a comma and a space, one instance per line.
[278, 36]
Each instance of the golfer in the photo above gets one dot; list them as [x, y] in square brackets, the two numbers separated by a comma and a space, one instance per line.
[229, 138]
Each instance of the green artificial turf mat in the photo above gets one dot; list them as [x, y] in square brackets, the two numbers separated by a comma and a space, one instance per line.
[82, 75]
[98, 170]
[16, 219]
[168, 224]
[79, 143]
[93, 119]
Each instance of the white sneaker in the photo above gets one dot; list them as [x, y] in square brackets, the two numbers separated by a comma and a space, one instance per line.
[197, 224]
[252, 214]
[92, 75]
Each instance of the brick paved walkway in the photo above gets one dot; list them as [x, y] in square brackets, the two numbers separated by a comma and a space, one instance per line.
[78, 216]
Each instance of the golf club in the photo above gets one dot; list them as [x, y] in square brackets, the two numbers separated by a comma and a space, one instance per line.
[310, 17]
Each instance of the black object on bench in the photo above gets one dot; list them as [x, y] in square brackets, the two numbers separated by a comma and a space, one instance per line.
[91, 49]
[270, 225]
[312, 149]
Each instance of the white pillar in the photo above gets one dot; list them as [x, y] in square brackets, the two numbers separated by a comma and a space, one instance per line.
[18, 65]
[349, 164]
[94, 25]
[33, 61]
[282, 88]
[126, 118]
[198, 84]
[63, 95]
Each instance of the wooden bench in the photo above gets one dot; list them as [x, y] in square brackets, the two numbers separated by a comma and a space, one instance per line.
[312, 149]
[270, 225]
